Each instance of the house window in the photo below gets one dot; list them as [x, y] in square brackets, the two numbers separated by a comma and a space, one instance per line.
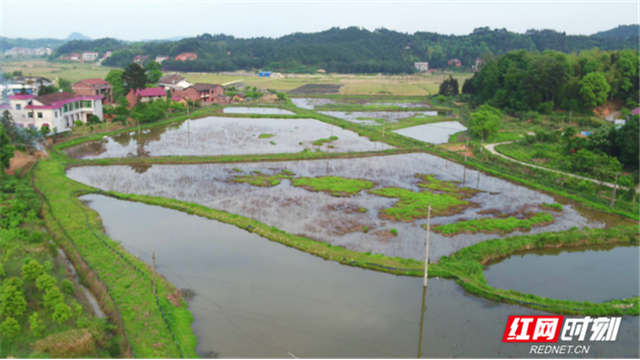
[64, 108]
[30, 115]
[55, 114]
[18, 107]
[86, 104]
[39, 115]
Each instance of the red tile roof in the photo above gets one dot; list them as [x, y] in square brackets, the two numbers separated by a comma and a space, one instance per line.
[55, 97]
[94, 81]
[158, 91]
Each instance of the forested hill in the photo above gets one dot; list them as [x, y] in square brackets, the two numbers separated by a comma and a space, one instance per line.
[621, 32]
[350, 50]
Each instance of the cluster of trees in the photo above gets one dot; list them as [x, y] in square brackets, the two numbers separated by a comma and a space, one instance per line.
[522, 81]
[349, 50]
[449, 87]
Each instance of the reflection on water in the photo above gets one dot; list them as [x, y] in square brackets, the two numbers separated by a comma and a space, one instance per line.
[256, 110]
[436, 133]
[257, 298]
[224, 136]
[595, 273]
[324, 217]
[311, 103]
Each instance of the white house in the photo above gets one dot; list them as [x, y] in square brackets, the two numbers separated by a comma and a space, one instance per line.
[421, 66]
[58, 110]
[89, 56]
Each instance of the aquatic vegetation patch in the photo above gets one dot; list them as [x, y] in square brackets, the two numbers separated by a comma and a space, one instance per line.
[552, 207]
[321, 142]
[266, 136]
[494, 225]
[256, 178]
[414, 205]
[431, 183]
[333, 185]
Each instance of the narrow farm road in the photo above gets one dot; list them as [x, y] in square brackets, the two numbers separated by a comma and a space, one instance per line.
[492, 149]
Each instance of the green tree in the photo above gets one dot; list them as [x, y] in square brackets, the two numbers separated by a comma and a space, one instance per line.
[628, 141]
[12, 302]
[36, 325]
[449, 87]
[10, 328]
[64, 85]
[6, 149]
[45, 281]
[485, 121]
[52, 297]
[32, 270]
[149, 112]
[61, 313]
[44, 130]
[9, 125]
[134, 77]
[154, 71]
[281, 96]
[594, 89]
[114, 77]
[67, 287]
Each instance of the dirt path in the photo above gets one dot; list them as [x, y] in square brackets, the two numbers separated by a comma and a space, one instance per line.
[492, 149]
[21, 160]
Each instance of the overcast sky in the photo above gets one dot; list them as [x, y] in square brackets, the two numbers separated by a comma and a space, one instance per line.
[129, 20]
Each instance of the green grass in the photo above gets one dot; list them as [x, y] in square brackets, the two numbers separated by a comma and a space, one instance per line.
[414, 205]
[431, 183]
[266, 136]
[554, 206]
[264, 180]
[494, 225]
[321, 142]
[333, 185]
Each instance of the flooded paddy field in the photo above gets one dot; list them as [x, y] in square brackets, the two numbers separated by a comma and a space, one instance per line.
[312, 103]
[436, 133]
[594, 273]
[256, 110]
[341, 220]
[377, 117]
[225, 136]
[257, 298]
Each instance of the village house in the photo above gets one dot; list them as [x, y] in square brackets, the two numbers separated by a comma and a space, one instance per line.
[206, 93]
[89, 56]
[477, 65]
[74, 57]
[161, 58]
[145, 95]
[139, 59]
[59, 110]
[97, 86]
[238, 98]
[107, 54]
[454, 62]
[173, 82]
[25, 84]
[421, 66]
[186, 56]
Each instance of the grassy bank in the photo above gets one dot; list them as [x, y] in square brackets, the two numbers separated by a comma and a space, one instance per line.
[333, 185]
[494, 225]
[126, 277]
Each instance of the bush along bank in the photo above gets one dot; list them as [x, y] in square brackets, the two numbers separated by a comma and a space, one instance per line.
[156, 327]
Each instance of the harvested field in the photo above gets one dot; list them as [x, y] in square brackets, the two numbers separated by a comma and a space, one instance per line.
[317, 89]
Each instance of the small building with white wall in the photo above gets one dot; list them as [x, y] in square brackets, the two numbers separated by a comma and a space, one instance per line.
[421, 66]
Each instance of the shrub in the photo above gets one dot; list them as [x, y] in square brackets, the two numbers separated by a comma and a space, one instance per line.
[67, 287]
[77, 308]
[10, 328]
[45, 282]
[94, 119]
[32, 270]
[61, 313]
[76, 343]
[121, 119]
[394, 232]
[78, 122]
[45, 130]
[12, 302]
[365, 229]
[36, 325]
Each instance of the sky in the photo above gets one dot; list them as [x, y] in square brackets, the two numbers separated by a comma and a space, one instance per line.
[160, 19]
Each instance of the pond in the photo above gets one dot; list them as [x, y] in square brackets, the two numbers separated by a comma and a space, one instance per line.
[256, 110]
[594, 273]
[436, 133]
[377, 117]
[338, 220]
[260, 299]
[311, 103]
[213, 136]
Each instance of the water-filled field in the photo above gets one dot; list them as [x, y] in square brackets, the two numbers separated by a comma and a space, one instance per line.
[595, 273]
[225, 136]
[436, 133]
[312, 103]
[256, 110]
[358, 205]
[256, 298]
[377, 117]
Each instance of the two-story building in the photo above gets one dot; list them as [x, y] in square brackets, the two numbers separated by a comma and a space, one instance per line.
[145, 95]
[96, 86]
[206, 93]
[59, 110]
[173, 82]
[186, 57]
[89, 56]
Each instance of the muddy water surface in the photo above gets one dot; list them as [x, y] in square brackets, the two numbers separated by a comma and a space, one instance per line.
[377, 117]
[327, 218]
[436, 133]
[257, 298]
[256, 110]
[595, 273]
[224, 136]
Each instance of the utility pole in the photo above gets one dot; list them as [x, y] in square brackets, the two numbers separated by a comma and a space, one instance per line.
[613, 197]
[187, 109]
[384, 122]
[466, 151]
[426, 257]
[424, 309]
[154, 272]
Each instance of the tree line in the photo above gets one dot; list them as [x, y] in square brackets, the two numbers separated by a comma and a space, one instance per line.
[349, 50]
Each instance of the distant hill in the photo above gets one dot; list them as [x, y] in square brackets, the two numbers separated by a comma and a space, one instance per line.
[77, 36]
[621, 32]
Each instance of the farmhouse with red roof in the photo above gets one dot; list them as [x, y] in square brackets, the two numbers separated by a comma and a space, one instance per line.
[96, 86]
[58, 110]
[145, 95]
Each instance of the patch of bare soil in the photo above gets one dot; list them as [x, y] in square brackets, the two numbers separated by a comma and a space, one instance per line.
[459, 148]
[344, 226]
[21, 160]
[384, 235]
